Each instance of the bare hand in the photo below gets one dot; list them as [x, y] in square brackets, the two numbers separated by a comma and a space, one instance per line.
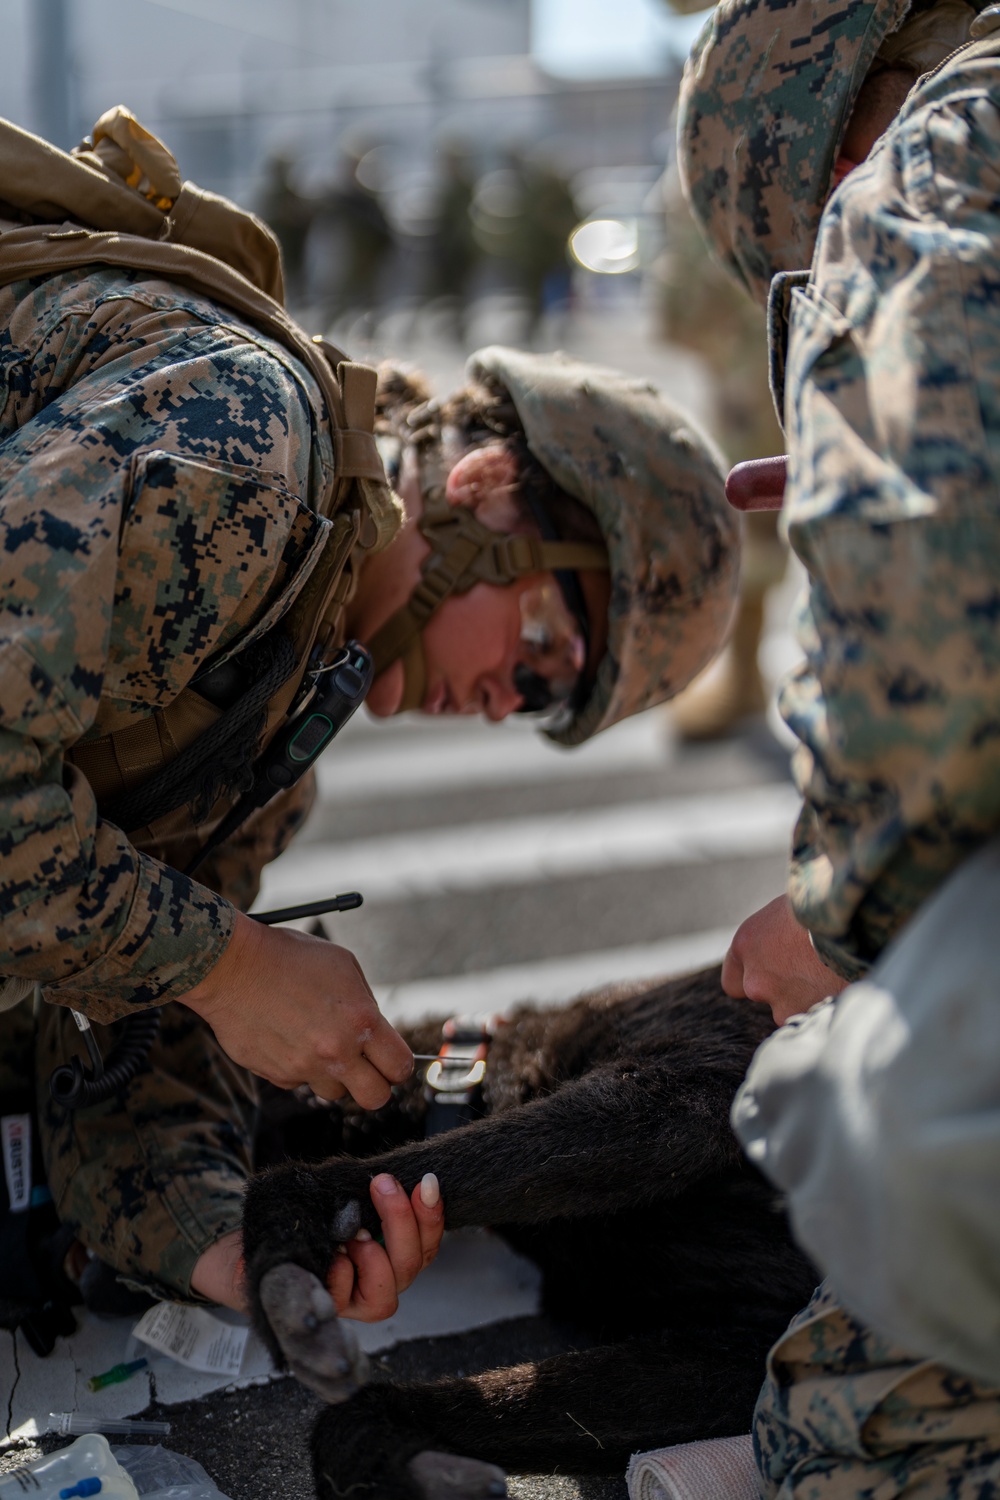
[297, 1009]
[365, 1280]
[771, 959]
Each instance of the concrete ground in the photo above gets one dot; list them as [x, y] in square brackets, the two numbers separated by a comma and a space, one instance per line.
[254, 1442]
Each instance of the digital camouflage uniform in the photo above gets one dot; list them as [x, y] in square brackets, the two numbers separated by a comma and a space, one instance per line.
[157, 464]
[891, 380]
[844, 1414]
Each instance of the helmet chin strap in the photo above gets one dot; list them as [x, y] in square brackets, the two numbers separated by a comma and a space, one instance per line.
[463, 552]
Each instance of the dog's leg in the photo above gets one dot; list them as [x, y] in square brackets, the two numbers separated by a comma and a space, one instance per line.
[583, 1412]
[611, 1140]
[608, 1141]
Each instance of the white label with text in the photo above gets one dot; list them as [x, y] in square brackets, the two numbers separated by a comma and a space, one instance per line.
[194, 1337]
[15, 1133]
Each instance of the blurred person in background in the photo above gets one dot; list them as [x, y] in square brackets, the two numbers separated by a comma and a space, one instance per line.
[353, 241]
[523, 215]
[703, 311]
[453, 254]
[290, 213]
[547, 217]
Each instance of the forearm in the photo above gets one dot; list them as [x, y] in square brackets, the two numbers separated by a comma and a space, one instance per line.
[102, 927]
[891, 505]
[900, 764]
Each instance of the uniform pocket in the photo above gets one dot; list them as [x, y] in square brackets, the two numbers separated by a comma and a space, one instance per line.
[826, 1377]
[827, 404]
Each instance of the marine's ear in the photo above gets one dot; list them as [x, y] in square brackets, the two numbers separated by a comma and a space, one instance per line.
[485, 480]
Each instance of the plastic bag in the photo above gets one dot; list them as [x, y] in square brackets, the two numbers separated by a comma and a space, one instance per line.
[160, 1474]
[86, 1467]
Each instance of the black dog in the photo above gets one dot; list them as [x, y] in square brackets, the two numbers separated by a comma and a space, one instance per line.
[605, 1154]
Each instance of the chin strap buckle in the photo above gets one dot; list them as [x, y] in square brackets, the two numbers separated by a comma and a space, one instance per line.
[453, 1083]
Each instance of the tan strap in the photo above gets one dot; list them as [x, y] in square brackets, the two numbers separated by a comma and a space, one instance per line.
[37, 250]
[465, 552]
[414, 676]
[442, 575]
[51, 185]
[206, 222]
[139, 750]
[515, 556]
[356, 455]
[359, 384]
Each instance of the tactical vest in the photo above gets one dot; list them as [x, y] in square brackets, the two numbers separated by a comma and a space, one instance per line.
[122, 203]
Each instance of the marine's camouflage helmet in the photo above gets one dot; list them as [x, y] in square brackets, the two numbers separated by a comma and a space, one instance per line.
[655, 483]
[765, 101]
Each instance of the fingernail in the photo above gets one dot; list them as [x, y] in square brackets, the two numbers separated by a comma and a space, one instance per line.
[385, 1184]
[363, 1236]
[430, 1190]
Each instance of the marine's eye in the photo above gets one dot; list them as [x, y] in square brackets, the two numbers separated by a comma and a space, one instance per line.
[535, 691]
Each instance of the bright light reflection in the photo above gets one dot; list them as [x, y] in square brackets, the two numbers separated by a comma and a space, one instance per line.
[607, 246]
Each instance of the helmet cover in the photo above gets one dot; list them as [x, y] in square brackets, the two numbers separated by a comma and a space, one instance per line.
[765, 100]
[656, 485]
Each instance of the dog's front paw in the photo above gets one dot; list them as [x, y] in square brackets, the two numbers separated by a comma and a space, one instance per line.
[301, 1212]
[448, 1476]
[319, 1349]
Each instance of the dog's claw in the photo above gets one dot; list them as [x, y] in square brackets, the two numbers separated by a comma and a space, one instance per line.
[320, 1350]
[447, 1476]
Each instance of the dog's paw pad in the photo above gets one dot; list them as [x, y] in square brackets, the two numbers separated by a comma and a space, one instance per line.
[448, 1476]
[346, 1221]
[319, 1349]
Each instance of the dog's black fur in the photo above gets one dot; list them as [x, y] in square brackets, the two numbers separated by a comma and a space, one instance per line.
[606, 1155]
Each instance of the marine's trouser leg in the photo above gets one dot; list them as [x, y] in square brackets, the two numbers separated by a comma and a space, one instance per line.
[150, 1182]
[846, 1415]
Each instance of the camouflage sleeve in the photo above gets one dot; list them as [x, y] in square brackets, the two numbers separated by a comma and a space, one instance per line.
[83, 911]
[893, 505]
[89, 609]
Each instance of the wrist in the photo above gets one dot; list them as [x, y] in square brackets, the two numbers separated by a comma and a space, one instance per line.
[237, 962]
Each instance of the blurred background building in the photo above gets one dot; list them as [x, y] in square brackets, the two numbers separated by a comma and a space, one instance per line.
[406, 152]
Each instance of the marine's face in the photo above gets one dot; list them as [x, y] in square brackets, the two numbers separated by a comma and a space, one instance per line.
[476, 642]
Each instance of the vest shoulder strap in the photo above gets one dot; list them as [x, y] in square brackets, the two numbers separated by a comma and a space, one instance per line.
[122, 203]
